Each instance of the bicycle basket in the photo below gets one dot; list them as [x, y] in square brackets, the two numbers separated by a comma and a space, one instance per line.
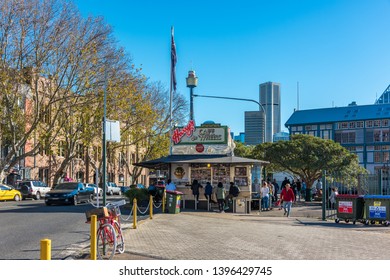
[99, 212]
[115, 211]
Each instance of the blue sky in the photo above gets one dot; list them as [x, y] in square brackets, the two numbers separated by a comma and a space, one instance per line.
[338, 51]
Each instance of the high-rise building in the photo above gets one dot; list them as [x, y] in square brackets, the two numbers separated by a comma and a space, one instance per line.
[270, 100]
[254, 127]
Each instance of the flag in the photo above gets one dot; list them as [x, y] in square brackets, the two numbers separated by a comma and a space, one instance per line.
[173, 62]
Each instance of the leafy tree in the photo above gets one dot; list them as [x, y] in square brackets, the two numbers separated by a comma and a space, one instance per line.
[307, 156]
[242, 150]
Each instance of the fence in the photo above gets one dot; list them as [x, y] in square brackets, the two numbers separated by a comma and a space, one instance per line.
[363, 184]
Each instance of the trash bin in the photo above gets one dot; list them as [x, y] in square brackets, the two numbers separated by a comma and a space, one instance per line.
[308, 195]
[173, 201]
[349, 208]
[377, 208]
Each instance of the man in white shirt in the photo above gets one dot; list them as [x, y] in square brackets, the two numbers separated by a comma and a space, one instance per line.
[264, 193]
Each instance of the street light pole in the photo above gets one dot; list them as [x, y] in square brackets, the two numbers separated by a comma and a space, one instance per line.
[241, 99]
[192, 82]
[104, 144]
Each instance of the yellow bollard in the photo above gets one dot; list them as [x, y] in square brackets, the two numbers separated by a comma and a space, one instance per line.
[163, 202]
[151, 207]
[93, 237]
[134, 213]
[45, 249]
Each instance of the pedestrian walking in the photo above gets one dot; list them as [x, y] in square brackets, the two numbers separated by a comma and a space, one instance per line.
[221, 194]
[276, 190]
[287, 198]
[332, 198]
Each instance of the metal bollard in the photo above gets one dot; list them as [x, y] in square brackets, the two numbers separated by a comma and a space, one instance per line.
[45, 249]
[134, 213]
[93, 237]
[163, 202]
[151, 207]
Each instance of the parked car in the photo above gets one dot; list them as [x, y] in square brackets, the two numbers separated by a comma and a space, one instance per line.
[69, 193]
[125, 189]
[33, 189]
[97, 191]
[8, 193]
[112, 188]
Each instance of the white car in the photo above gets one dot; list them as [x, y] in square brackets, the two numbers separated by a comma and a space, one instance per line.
[33, 189]
[96, 190]
[112, 188]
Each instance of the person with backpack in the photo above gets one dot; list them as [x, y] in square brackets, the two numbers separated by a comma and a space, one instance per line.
[195, 190]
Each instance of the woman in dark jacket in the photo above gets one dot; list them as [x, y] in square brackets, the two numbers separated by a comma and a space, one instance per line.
[195, 189]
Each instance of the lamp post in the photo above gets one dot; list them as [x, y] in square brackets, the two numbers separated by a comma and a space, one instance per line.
[192, 82]
[241, 99]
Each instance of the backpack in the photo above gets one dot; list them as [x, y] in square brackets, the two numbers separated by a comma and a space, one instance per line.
[236, 191]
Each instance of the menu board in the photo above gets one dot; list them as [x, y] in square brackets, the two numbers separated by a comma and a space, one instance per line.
[201, 173]
[221, 173]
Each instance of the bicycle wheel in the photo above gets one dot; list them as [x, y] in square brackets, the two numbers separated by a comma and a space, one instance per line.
[106, 242]
[120, 242]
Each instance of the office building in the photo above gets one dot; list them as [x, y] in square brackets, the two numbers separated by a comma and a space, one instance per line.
[270, 100]
[254, 127]
[363, 130]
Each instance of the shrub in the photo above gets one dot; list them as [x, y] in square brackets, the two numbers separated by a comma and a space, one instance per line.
[140, 194]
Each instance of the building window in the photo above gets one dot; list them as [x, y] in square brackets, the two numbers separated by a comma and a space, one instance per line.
[308, 127]
[344, 125]
[377, 136]
[352, 124]
[325, 134]
[377, 157]
[61, 148]
[377, 123]
[80, 176]
[80, 151]
[369, 123]
[385, 123]
[359, 124]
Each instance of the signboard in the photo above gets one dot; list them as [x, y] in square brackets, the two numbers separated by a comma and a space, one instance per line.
[113, 133]
[200, 135]
[377, 212]
[345, 207]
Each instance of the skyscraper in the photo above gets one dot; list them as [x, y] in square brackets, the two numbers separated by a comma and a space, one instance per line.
[254, 127]
[270, 100]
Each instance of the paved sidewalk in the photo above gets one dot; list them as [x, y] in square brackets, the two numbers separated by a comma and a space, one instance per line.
[202, 235]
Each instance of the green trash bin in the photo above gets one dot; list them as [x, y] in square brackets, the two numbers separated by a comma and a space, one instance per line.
[173, 201]
[349, 208]
[377, 208]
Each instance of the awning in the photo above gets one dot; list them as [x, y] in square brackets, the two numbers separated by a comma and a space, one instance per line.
[212, 159]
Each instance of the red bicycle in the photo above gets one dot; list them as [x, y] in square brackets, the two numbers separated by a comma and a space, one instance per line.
[109, 234]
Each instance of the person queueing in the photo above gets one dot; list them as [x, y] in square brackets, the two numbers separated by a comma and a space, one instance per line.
[221, 193]
[287, 198]
[171, 186]
[195, 190]
[208, 192]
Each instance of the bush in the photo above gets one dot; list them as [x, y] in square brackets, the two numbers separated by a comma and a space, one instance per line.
[140, 194]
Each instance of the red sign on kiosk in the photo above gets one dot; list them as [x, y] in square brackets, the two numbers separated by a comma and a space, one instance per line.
[187, 130]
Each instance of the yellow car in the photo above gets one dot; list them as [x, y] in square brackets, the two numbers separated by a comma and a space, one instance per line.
[8, 193]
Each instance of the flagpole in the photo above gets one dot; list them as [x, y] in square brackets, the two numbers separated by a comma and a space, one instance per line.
[172, 88]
